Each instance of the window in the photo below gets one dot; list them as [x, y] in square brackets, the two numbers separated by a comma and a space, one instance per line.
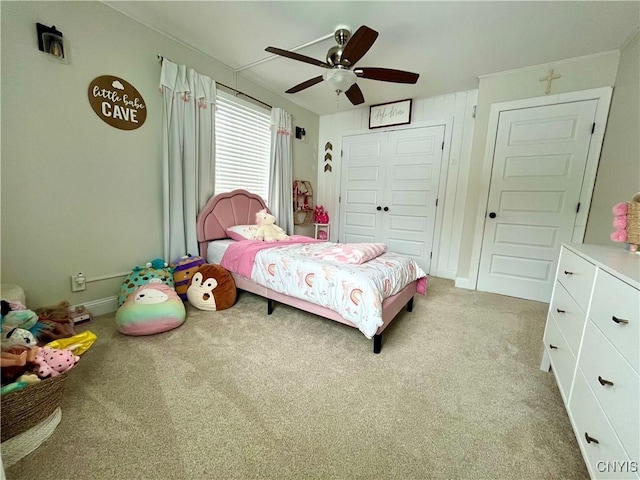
[243, 142]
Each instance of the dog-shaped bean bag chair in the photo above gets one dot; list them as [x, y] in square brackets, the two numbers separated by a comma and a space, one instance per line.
[150, 309]
[212, 288]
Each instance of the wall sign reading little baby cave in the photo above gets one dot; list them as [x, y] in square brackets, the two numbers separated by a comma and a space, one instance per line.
[117, 102]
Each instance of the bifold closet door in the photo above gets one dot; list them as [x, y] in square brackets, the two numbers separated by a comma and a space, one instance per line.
[389, 190]
[362, 187]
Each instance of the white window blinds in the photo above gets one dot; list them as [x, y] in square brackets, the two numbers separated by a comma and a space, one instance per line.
[243, 142]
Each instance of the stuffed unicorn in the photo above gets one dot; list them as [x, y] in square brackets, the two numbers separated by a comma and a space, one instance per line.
[267, 229]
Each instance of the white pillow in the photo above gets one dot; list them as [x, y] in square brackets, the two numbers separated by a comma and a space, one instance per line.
[242, 232]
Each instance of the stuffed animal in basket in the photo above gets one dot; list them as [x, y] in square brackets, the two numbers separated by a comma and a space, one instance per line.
[267, 229]
[52, 362]
[21, 317]
[58, 322]
[17, 360]
[18, 336]
[212, 288]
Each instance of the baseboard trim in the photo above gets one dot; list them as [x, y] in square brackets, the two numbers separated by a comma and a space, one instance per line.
[463, 282]
[102, 306]
[449, 275]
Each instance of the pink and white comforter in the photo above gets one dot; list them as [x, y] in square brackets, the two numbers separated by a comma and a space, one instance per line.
[295, 268]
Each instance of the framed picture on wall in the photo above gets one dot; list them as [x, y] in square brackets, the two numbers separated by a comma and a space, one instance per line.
[388, 114]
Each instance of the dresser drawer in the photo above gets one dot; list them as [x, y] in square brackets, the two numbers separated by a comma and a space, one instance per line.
[614, 304]
[563, 363]
[589, 420]
[576, 274]
[600, 364]
[569, 317]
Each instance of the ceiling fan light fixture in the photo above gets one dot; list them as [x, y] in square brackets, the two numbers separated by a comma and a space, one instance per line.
[339, 79]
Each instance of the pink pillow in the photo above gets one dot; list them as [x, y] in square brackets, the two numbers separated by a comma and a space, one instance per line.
[242, 232]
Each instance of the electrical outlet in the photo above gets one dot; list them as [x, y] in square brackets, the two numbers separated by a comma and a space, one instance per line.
[78, 282]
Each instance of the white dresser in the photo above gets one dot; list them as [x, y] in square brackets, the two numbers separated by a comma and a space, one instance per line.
[592, 345]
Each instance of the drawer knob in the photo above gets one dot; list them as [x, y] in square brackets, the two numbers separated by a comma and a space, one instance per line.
[552, 346]
[590, 439]
[604, 382]
[560, 311]
[619, 320]
[567, 272]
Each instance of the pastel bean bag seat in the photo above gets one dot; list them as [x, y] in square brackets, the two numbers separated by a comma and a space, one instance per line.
[150, 309]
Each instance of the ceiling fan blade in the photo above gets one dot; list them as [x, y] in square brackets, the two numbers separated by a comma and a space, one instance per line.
[297, 56]
[359, 44]
[354, 94]
[387, 75]
[301, 86]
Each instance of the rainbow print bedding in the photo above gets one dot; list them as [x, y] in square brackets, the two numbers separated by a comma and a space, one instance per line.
[299, 268]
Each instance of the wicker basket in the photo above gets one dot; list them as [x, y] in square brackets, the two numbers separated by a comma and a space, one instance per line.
[633, 222]
[24, 409]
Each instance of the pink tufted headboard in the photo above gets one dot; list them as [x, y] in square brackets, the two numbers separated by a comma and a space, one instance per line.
[224, 210]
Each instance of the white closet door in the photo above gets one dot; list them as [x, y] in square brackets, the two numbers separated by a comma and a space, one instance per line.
[414, 157]
[538, 167]
[389, 190]
[362, 187]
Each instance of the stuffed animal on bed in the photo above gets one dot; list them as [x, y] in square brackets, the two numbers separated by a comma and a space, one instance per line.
[267, 229]
[150, 309]
[212, 288]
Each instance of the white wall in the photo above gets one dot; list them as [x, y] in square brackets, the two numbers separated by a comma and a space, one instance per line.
[577, 74]
[454, 111]
[77, 194]
[619, 173]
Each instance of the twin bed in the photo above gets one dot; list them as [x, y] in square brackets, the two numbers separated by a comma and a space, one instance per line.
[305, 273]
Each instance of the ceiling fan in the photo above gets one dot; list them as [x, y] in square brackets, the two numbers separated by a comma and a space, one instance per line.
[341, 59]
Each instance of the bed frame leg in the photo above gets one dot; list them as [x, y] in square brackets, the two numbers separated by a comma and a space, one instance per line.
[410, 305]
[269, 306]
[377, 343]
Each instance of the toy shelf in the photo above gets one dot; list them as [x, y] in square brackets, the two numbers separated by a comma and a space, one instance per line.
[302, 202]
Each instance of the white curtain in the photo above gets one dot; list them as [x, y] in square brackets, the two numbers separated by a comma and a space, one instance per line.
[281, 170]
[188, 156]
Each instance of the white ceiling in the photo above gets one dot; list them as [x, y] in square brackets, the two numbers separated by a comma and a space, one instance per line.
[450, 44]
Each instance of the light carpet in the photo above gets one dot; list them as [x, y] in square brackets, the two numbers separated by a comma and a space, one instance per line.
[455, 393]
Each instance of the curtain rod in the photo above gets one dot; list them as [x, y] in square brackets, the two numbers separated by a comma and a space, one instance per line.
[160, 58]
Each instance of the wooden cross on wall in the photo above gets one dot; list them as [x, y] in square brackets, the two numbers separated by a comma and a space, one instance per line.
[549, 78]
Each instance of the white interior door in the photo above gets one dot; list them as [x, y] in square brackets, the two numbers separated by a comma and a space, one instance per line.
[538, 167]
[389, 190]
